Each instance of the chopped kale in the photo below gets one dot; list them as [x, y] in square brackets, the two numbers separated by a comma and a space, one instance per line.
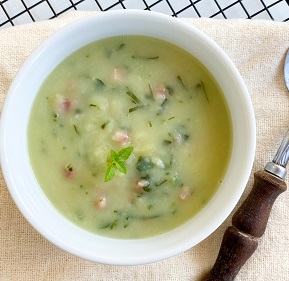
[144, 164]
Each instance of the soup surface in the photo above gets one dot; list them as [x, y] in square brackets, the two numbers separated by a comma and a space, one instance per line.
[129, 137]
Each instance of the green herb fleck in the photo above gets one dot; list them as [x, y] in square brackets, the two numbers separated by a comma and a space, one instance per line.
[172, 161]
[146, 183]
[132, 96]
[160, 183]
[150, 96]
[150, 123]
[98, 83]
[69, 167]
[113, 225]
[170, 90]
[146, 188]
[55, 115]
[185, 137]
[94, 105]
[202, 87]
[116, 161]
[148, 217]
[181, 82]
[121, 46]
[167, 142]
[145, 57]
[112, 51]
[76, 130]
[136, 108]
[104, 124]
[177, 181]
[182, 132]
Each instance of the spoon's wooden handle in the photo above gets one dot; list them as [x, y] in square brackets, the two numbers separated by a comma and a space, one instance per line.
[249, 223]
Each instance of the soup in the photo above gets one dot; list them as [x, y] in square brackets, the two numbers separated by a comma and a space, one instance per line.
[129, 137]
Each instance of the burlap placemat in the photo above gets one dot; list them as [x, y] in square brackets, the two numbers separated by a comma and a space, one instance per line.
[258, 50]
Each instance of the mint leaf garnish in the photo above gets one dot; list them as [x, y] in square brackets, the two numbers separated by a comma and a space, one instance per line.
[116, 162]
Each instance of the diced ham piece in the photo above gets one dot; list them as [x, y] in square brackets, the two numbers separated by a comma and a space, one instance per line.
[118, 74]
[100, 202]
[184, 193]
[64, 105]
[121, 137]
[68, 174]
[159, 94]
[141, 184]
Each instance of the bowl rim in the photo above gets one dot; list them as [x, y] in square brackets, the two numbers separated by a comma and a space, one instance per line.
[131, 252]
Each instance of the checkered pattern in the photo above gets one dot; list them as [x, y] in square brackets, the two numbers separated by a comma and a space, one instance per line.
[15, 12]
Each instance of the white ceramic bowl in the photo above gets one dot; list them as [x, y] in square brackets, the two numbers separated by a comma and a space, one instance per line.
[18, 173]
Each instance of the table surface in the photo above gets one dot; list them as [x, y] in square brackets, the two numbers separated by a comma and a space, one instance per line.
[16, 12]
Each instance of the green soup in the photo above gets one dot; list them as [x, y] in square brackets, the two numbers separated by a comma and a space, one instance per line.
[129, 137]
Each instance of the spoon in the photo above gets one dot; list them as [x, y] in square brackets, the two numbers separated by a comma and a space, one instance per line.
[249, 222]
